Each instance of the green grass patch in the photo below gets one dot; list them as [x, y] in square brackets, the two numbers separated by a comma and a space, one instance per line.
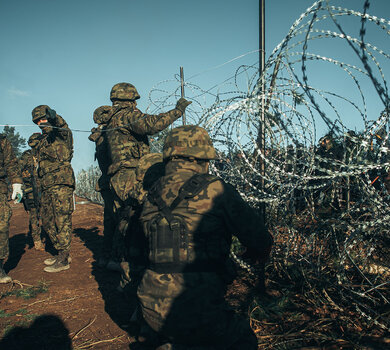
[29, 292]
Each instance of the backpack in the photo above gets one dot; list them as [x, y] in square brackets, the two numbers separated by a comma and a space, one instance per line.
[168, 232]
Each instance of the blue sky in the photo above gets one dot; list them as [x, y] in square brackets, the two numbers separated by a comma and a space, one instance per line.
[68, 54]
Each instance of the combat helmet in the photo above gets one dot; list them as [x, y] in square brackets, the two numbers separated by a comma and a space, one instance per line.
[34, 139]
[102, 114]
[189, 141]
[124, 92]
[39, 112]
[146, 162]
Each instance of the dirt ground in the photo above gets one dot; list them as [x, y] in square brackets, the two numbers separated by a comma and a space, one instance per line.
[79, 308]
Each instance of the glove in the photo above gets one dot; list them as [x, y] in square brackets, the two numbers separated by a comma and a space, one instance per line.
[182, 104]
[51, 115]
[17, 193]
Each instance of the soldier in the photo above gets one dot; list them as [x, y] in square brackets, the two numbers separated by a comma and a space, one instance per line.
[127, 137]
[98, 135]
[189, 218]
[28, 165]
[150, 168]
[57, 182]
[9, 170]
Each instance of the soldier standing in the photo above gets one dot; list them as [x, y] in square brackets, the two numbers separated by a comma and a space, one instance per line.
[9, 169]
[149, 169]
[127, 137]
[28, 165]
[57, 182]
[98, 135]
[189, 218]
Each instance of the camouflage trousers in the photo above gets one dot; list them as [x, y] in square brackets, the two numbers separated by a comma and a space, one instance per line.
[5, 216]
[190, 309]
[56, 212]
[108, 222]
[121, 184]
[35, 229]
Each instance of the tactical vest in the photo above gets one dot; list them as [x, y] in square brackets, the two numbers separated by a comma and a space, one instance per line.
[168, 234]
[125, 147]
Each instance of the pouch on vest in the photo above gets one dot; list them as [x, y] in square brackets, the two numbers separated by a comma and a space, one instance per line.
[168, 231]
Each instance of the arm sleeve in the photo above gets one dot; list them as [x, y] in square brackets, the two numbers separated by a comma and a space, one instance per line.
[148, 124]
[245, 223]
[62, 130]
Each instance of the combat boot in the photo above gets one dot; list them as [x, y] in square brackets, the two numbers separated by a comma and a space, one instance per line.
[61, 263]
[52, 260]
[4, 278]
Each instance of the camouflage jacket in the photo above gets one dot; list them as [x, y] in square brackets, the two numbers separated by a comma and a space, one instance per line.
[9, 165]
[212, 216]
[55, 152]
[101, 155]
[29, 169]
[128, 130]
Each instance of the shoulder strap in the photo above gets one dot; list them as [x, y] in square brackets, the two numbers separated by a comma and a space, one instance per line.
[154, 196]
[190, 189]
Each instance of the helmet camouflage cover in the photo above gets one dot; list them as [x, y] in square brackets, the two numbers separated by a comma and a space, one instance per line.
[124, 91]
[189, 141]
[39, 112]
[146, 162]
[101, 114]
[34, 138]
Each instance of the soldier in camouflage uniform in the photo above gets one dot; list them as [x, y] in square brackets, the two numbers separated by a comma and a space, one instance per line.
[28, 165]
[189, 218]
[9, 170]
[127, 137]
[149, 169]
[98, 135]
[57, 183]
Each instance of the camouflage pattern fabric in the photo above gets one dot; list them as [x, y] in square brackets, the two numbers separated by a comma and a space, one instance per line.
[127, 133]
[127, 138]
[189, 308]
[124, 91]
[189, 141]
[5, 216]
[56, 180]
[55, 152]
[35, 228]
[9, 166]
[98, 135]
[108, 222]
[9, 171]
[28, 166]
[150, 168]
[57, 208]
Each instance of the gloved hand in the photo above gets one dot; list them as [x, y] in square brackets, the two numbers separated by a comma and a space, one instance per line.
[182, 104]
[17, 193]
[51, 115]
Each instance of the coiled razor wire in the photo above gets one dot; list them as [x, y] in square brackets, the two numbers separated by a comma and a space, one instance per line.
[327, 205]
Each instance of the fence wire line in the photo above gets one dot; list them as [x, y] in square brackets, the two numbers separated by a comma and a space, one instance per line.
[328, 207]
